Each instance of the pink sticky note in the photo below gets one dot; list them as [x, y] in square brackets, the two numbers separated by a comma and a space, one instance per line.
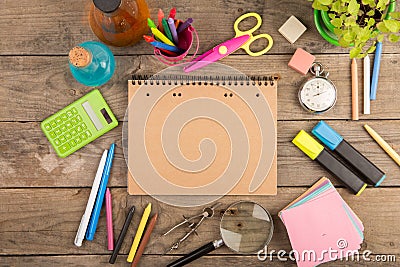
[301, 61]
[321, 225]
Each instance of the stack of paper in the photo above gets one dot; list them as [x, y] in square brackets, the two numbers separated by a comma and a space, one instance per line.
[321, 226]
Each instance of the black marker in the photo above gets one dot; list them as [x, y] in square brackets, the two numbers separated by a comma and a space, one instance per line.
[359, 162]
[316, 152]
[121, 236]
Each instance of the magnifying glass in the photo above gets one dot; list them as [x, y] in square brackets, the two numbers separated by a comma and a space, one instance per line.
[246, 228]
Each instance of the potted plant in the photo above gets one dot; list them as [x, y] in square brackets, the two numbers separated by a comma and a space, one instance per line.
[357, 23]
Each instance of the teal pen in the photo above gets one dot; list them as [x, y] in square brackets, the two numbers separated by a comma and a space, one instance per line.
[94, 219]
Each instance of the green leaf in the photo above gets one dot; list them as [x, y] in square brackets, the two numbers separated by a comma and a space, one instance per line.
[371, 49]
[325, 2]
[371, 13]
[353, 7]
[371, 22]
[337, 22]
[355, 52]
[316, 5]
[382, 27]
[380, 37]
[392, 25]
[395, 15]
[394, 38]
[381, 6]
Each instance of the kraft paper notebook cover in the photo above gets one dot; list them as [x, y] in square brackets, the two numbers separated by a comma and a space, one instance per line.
[202, 137]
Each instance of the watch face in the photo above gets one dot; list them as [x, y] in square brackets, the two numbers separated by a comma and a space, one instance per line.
[318, 94]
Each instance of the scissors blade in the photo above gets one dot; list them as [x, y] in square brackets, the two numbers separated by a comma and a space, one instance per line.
[218, 52]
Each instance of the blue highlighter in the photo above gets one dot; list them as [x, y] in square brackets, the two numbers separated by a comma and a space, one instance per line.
[352, 156]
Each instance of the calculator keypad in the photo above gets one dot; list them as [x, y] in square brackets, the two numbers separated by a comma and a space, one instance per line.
[67, 130]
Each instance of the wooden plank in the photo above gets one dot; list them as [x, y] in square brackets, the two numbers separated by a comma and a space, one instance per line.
[44, 221]
[33, 88]
[28, 160]
[47, 27]
[153, 260]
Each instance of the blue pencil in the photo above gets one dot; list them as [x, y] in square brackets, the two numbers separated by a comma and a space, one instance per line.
[375, 72]
[94, 219]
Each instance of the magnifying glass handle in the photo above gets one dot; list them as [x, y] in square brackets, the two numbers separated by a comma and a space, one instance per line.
[207, 248]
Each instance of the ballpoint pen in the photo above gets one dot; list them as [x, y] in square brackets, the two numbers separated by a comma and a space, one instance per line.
[80, 235]
[94, 219]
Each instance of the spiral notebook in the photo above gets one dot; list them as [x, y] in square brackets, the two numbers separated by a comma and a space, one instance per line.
[204, 135]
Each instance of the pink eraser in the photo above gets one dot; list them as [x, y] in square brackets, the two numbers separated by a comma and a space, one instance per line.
[301, 61]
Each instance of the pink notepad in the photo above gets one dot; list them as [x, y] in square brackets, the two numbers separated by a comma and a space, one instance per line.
[321, 226]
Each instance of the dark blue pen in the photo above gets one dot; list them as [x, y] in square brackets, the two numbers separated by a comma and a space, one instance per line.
[94, 219]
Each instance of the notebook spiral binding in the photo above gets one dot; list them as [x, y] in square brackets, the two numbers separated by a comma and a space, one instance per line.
[205, 80]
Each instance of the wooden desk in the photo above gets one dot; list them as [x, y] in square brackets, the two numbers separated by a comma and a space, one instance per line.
[42, 197]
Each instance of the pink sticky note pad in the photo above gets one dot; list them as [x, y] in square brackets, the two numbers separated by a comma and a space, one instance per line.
[301, 61]
[319, 225]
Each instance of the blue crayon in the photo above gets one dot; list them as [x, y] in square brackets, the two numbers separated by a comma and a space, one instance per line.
[166, 47]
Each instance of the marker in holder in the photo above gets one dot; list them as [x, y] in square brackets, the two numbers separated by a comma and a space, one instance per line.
[185, 44]
[352, 156]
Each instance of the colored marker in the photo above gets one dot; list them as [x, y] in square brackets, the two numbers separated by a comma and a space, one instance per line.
[139, 233]
[382, 143]
[110, 231]
[94, 219]
[316, 152]
[157, 33]
[122, 235]
[172, 13]
[184, 25]
[166, 47]
[167, 31]
[149, 39]
[171, 24]
[375, 72]
[359, 162]
[80, 235]
[145, 240]
[151, 23]
[367, 85]
[160, 17]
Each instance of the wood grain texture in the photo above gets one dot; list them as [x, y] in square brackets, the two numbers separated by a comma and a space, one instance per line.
[33, 88]
[24, 143]
[154, 260]
[44, 221]
[47, 27]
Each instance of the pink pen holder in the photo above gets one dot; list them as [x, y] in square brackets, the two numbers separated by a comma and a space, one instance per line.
[185, 43]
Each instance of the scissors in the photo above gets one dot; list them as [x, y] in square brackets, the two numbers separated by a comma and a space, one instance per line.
[242, 39]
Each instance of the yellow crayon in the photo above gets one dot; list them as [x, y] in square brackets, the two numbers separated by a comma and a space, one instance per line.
[161, 36]
[139, 233]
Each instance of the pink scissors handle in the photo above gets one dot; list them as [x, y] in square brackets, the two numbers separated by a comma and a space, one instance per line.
[218, 52]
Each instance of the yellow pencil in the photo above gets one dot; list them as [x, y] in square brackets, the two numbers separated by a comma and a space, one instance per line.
[161, 36]
[385, 146]
[139, 233]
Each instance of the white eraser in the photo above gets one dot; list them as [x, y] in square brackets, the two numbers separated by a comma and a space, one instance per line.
[292, 29]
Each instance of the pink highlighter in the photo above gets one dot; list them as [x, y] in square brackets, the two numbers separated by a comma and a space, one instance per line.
[110, 232]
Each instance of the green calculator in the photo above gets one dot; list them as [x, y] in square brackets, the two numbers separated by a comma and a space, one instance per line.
[79, 123]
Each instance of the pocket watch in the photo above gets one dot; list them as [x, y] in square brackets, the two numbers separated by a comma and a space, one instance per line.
[318, 94]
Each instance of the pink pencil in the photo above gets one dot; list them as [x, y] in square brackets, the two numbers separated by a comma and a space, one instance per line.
[110, 232]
